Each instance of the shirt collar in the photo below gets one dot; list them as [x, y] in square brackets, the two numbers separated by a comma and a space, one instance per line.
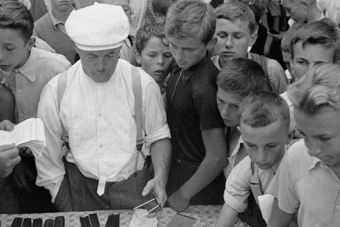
[188, 73]
[29, 67]
[54, 20]
[314, 163]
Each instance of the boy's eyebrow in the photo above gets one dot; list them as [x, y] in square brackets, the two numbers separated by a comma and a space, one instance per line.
[315, 135]
[301, 58]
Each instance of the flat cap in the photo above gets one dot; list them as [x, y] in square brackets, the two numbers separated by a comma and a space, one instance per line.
[98, 27]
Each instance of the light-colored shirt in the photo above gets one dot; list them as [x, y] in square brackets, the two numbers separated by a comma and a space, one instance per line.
[238, 154]
[304, 184]
[27, 82]
[331, 8]
[237, 189]
[99, 119]
[275, 72]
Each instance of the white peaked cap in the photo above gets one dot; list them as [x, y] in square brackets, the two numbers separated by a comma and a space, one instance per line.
[98, 27]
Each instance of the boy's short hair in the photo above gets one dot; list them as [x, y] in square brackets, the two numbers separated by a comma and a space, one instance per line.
[318, 88]
[160, 8]
[262, 108]
[287, 37]
[241, 76]
[258, 6]
[15, 15]
[191, 18]
[147, 32]
[233, 10]
[323, 32]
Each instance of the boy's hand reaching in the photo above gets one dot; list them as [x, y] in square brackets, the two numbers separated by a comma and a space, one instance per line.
[178, 202]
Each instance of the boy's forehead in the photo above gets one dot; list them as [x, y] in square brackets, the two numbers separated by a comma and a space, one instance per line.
[227, 25]
[263, 135]
[156, 43]
[192, 42]
[231, 97]
[11, 36]
[318, 50]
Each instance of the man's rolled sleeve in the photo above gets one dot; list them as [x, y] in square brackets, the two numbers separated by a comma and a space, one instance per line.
[50, 164]
[154, 117]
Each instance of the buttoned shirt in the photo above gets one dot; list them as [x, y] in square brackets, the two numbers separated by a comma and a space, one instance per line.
[305, 185]
[276, 74]
[27, 82]
[192, 107]
[237, 189]
[99, 119]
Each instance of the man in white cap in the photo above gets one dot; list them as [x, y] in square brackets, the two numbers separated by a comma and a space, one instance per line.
[97, 110]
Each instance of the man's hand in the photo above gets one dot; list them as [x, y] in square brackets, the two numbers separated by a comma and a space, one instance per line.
[155, 185]
[159, 189]
[178, 202]
[19, 176]
[9, 157]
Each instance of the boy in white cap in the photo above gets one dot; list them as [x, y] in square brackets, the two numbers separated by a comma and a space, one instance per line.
[102, 169]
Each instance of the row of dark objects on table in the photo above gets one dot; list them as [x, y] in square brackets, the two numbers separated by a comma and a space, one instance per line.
[92, 221]
[86, 221]
[38, 222]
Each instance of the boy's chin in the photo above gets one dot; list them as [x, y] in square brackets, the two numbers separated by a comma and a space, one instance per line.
[266, 166]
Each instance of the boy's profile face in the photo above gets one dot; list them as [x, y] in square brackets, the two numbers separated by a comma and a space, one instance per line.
[297, 10]
[14, 49]
[233, 39]
[265, 145]
[321, 134]
[228, 104]
[187, 52]
[308, 56]
[155, 59]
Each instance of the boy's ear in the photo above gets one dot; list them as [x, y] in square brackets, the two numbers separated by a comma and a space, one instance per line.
[253, 38]
[211, 47]
[137, 57]
[304, 5]
[31, 43]
[212, 43]
[291, 135]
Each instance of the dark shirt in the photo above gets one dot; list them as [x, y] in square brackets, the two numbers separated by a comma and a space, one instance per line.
[273, 50]
[193, 108]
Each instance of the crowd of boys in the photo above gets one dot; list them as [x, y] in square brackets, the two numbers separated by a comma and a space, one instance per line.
[200, 121]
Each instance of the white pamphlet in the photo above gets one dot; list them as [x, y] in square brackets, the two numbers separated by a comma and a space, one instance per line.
[266, 203]
[29, 133]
